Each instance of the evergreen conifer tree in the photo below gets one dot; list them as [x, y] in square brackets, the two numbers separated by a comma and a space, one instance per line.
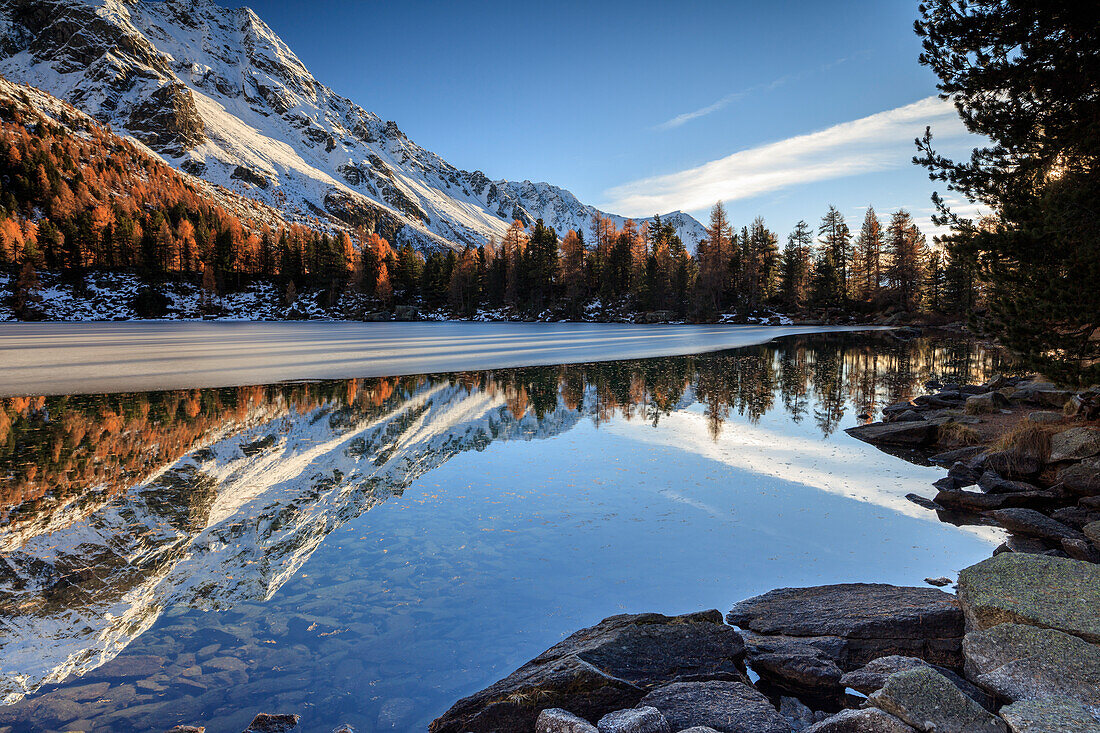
[838, 240]
[795, 267]
[867, 258]
[908, 253]
[1026, 76]
[825, 284]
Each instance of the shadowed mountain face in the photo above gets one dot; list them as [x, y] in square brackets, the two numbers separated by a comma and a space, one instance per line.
[218, 94]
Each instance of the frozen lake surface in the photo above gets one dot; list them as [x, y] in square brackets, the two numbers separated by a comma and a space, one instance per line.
[81, 358]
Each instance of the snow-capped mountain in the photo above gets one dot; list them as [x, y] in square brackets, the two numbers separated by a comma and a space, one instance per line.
[216, 93]
[230, 521]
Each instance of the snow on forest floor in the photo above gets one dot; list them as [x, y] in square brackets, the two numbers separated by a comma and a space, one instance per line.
[111, 297]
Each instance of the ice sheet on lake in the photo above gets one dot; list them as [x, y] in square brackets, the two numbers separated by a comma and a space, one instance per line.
[53, 358]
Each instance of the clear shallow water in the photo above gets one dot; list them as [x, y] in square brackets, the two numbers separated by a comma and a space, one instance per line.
[368, 551]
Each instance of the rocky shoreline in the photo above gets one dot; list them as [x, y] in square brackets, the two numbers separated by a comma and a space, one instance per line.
[1030, 449]
[1015, 649]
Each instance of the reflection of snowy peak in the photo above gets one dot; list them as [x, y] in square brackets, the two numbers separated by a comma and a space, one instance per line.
[218, 94]
[229, 522]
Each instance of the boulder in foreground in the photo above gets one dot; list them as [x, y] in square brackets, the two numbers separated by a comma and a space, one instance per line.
[873, 619]
[641, 719]
[927, 701]
[606, 667]
[802, 665]
[1082, 478]
[1031, 523]
[1075, 444]
[1037, 590]
[872, 677]
[868, 720]
[727, 707]
[1049, 714]
[556, 720]
[1019, 662]
[908, 433]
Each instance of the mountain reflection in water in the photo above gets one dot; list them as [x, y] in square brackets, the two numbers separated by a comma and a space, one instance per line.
[118, 510]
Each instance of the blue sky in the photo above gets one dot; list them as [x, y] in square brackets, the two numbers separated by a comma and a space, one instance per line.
[636, 106]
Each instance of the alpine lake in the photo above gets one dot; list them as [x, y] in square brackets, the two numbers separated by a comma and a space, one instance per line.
[367, 551]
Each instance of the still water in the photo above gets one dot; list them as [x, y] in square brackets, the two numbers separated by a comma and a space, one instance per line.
[367, 551]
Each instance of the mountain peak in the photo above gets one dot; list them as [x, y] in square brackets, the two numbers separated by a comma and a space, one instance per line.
[217, 93]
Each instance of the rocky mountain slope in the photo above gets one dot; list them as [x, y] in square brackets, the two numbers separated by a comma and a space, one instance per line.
[33, 106]
[218, 94]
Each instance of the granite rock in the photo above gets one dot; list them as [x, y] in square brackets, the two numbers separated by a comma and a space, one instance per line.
[603, 668]
[727, 707]
[1048, 715]
[1037, 590]
[1020, 662]
[927, 701]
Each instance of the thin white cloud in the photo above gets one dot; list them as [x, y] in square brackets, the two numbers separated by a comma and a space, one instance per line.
[734, 96]
[701, 112]
[878, 142]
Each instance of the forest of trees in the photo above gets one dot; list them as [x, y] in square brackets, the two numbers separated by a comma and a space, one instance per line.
[77, 204]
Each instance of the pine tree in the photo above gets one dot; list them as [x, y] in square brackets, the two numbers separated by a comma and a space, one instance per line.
[838, 239]
[435, 278]
[935, 282]
[210, 285]
[661, 264]
[496, 275]
[825, 284]
[25, 297]
[542, 265]
[574, 280]
[867, 258]
[603, 236]
[767, 248]
[683, 273]
[907, 250]
[714, 256]
[382, 288]
[795, 267]
[465, 284]
[1025, 77]
[512, 254]
[406, 277]
[620, 263]
[961, 286]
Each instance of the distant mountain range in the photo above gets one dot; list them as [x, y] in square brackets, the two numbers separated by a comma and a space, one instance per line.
[216, 93]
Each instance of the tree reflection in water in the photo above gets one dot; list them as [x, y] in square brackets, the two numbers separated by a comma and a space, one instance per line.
[54, 450]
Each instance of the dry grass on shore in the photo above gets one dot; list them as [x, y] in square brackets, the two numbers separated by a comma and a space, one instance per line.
[1027, 439]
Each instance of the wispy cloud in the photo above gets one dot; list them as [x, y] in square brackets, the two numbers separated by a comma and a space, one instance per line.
[734, 96]
[704, 111]
[878, 142]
